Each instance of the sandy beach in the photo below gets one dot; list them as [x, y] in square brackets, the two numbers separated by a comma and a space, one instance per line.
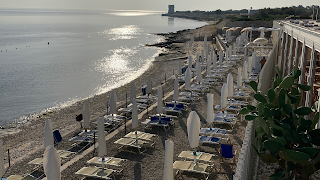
[27, 143]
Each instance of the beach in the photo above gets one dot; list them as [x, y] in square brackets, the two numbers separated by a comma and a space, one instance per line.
[27, 143]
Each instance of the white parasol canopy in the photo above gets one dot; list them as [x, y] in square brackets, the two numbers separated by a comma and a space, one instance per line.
[202, 56]
[234, 49]
[113, 103]
[208, 66]
[176, 89]
[239, 78]
[168, 161]
[230, 85]
[210, 112]
[48, 134]
[134, 115]
[149, 87]
[2, 170]
[199, 75]
[261, 40]
[51, 163]
[308, 102]
[220, 57]
[212, 52]
[245, 72]
[253, 60]
[132, 91]
[86, 116]
[160, 103]
[190, 62]
[227, 54]
[224, 95]
[230, 52]
[102, 148]
[193, 126]
[214, 61]
[207, 51]
[249, 69]
[179, 68]
[205, 41]
[187, 79]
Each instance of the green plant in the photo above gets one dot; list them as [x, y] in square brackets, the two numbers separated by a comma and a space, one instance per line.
[284, 135]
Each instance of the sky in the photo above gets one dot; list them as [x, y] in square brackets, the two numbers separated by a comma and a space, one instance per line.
[158, 5]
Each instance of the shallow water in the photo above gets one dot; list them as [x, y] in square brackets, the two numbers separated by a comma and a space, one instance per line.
[89, 53]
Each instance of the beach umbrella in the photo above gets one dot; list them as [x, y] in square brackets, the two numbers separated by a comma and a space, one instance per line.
[190, 62]
[234, 49]
[86, 116]
[2, 170]
[208, 66]
[48, 134]
[224, 95]
[254, 60]
[176, 89]
[202, 56]
[102, 147]
[113, 103]
[302, 62]
[149, 87]
[134, 115]
[187, 79]
[220, 57]
[199, 75]
[160, 103]
[205, 41]
[212, 52]
[249, 69]
[214, 61]
[245, 72]
[230, 52]
[207, 52]
[262, 34]
[193, 126]
[210, 113]
[132, 91]
[308, 102]
[230, 85]
[168, 161]
[51, 163]
[239, 78]
[179, 68]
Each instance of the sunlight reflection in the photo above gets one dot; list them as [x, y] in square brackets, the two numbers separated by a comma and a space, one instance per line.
[125, 32]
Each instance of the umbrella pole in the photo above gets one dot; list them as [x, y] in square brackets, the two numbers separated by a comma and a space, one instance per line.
[136, 138]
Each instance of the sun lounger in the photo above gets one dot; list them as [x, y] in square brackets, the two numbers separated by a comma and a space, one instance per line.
[19, 177]
[200, 156]
[192, 167]
[209, 139]
[164, 122]
[199, 88]
[224, 115]
[187, 98]
[87, 139]
[140, 135]
[88, 133]
[229, 121]
[132, 143]
[215, 131]
[144, 101]
[129, 107]
[228, 108]
[147, 96]
[62, 154]
[112, 161]
[215, 75]
[98, 172]
[189, 93]
[236, 102]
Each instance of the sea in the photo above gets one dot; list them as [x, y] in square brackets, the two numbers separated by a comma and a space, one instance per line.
[52, 58]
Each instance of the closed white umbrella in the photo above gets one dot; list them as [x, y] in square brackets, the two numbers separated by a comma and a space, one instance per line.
[199, 75]
[234, 49]
[149, 87]
[102, 148]
[208, 66]
[86, 116]
[193, 127]
[51, 163]
[207, 51]
[48, 134]
[168, 161]
[160, 103]
[187, 79]
[239, 78]
[230, 85]
[262, 34]
[212, 52]
[214, 61]
[202, 56]
[249, 69]
[210, 112]
[2, 170]
[230, 52]
[245, 72]
[113, 103]
[290, 55]
[227, 54]
[296, 53]
[134, 116]
[179, 68]
[190, 62]
[220, 57]
[254, 60]
[132, 91]
[176, 89]
[205, 41]
[224, 95]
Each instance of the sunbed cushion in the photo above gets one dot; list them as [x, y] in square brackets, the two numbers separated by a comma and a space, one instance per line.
[226, 150]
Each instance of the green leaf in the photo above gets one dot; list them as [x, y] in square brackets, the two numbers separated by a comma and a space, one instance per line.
[278, 174]
[276, 82]
[303, 87]
[315, 120]
[315, 134]
[263, 124]
[304, 125]
[250, 107]
[259, 97]
[250, 117]
[296, 73]
[287, 82]
[254, 85]
[308, 170]
[261, 109]
[272, 145]
[293, 99]
[281, 140]
[295, 156]
[278, 71]
[281, 98]
[271, 95]
[287, 108]
[303, 111]
[268, 158]
[268, 112]
[306, 138]
[273, 125]
[295, 91]
[309, 150]
[244, 111]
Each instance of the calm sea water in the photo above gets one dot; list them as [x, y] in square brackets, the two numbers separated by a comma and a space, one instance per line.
[89, 53]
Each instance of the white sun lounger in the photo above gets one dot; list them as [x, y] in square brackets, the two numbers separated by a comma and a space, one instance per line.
[189, 93]
[236, 102]
[19, 177]
[228, 108]
[192, 167]
[224, 115]
[96, 172]
[200, 156]
[112, 161]
[132, 143]
[209, 140]
[215, 131]
[62, 154]
[140, 135]
[187, 98]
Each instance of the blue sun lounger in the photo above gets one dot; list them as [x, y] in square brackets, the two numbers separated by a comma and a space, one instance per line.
[209, 139]
[164, 122]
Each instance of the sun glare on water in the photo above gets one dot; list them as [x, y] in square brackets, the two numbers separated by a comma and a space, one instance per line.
[125, 32]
